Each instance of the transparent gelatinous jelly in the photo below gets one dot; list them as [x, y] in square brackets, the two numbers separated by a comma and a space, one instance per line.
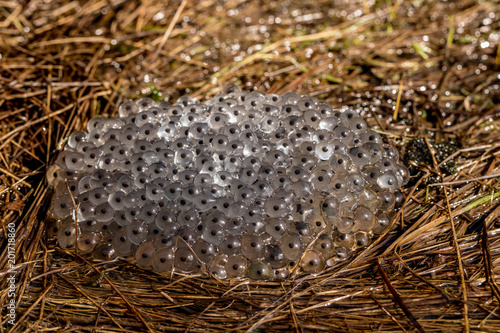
[246, 184]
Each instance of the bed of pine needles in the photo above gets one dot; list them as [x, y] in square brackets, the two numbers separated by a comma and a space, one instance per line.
[425, 74]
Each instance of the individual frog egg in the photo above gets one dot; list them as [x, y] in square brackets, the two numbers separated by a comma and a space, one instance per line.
[275, 208]
[387, 200]
[231, 245]
[121, 219]
[387, 180]
[364, 219]
[343, 133]
[144, 255]
[185, 260]
[117, 200]
[132, 214]
[188, 235]
[204, 251]
[173, 191]
[167, 132]
[145, 103]
[63, 206]
[344, 224]
[374, 150]
[213, 234]
[361, 239]
[108, 163]
[291, 246]
[141, 199]
[259, 270]
[153, 230]
[344, 240]
[104, 212]
[163, 260]
[275, 256]
[128, 108]
[317, 224]
[89, 226]
[85, 211]
[262, 189]
[276, 227]
[165, 218]
[382, 223]
[104, 252]
[235, 210]
[154, 192]
[125, 184]
[280, 274]
[235, 265]
[312, 262]
[121, 243]
[369, 198]
[359, 157]
[330, 207]
[398, 198]
[87, 242]
[355, 182]
[198, 130]
[390, 152]
[340, 163]
[217, 120]
[163, 239]
[66, 235]
[109, 146]
[188, 217]
[301, 189]
[121, 153]
[357, 125]
[203, 180]
[74, 161]
[75, 138]
[139, 168]
[203, 202]
[276, 158]
[386, 164]
[219, 271]
[402, 174]
[252, 246]
[184, 157]
[247, 176]
[325, 246]
[157, 170]
[281, 182]
[269, 124]
[149, 212]
[96, 137]
[320, 180]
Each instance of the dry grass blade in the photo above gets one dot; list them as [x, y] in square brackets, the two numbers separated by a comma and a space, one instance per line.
[398, 299]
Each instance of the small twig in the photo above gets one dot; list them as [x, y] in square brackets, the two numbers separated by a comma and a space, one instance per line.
[398, 298]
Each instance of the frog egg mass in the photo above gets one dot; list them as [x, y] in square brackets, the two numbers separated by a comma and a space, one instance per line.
[244, 185]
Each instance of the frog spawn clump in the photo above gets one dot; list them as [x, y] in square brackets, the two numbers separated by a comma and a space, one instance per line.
[246, 184]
